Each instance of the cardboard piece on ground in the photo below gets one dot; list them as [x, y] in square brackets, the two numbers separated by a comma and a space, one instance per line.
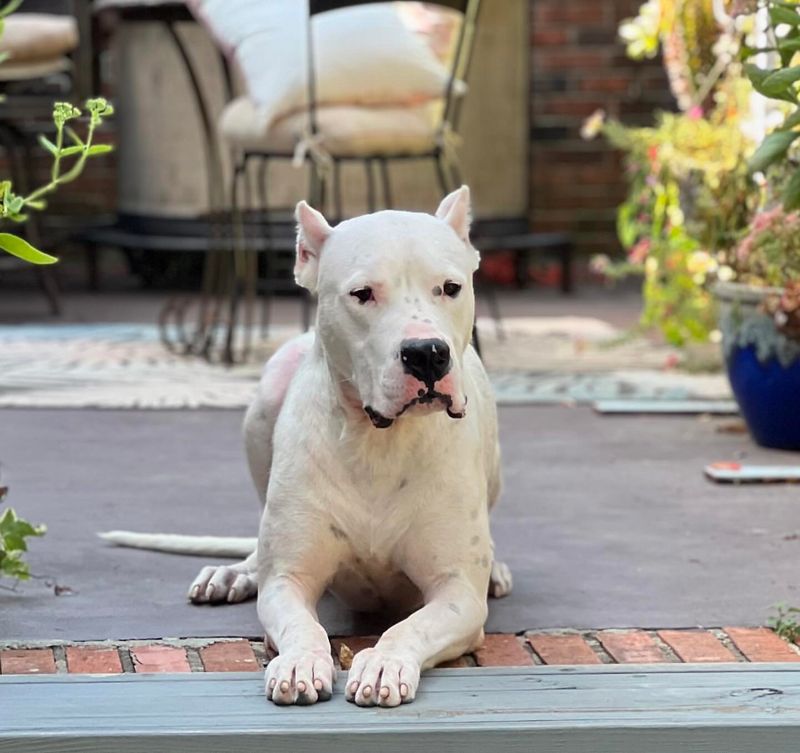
[669, 407]
[736, 473]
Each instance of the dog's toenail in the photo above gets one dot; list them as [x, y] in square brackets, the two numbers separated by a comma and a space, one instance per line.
[272, 684]
[403, 690]
[367, 692]
[385, 692]
[284, 686]
[301, 687]
[354, 686]
[318, 684]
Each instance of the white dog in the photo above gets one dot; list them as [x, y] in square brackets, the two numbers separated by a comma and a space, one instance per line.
[373, 447]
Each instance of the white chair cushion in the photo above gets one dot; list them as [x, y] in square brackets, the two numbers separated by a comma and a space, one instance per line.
[364, 55]
[345, 131]
[34, 69]
[34, 37]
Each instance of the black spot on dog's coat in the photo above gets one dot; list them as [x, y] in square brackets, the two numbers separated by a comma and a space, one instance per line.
[337, 532]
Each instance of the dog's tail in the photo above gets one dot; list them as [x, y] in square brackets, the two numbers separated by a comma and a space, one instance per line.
[210, 546]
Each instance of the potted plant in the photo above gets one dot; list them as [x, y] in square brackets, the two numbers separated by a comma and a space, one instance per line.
[759, 282]
[760, 324]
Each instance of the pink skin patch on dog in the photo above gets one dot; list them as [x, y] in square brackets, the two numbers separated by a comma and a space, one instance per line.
[283, 365]
[420, 331]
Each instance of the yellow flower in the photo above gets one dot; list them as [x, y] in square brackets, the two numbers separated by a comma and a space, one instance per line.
[725, 273]
[700, 263]
[593, 125]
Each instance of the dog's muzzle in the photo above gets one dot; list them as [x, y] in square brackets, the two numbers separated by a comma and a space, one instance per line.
[379, 421]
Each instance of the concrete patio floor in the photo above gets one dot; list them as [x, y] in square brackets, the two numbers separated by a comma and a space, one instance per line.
[606, 522]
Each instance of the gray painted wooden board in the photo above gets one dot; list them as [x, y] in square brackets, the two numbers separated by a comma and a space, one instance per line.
[608, 709]
[675, 407]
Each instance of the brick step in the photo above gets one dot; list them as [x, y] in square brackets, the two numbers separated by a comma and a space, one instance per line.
[556, 647]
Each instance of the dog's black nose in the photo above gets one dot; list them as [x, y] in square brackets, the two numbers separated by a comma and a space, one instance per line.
[427, 360]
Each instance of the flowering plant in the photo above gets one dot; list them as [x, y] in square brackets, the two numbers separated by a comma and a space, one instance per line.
[690, 197]
[768, 255]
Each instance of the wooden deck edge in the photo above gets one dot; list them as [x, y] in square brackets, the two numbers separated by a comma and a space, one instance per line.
[729, 708]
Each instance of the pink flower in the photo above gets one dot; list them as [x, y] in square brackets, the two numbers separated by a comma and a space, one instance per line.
[639, 252]
[695, 112]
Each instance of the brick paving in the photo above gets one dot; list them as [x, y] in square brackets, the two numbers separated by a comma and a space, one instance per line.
[554, 647]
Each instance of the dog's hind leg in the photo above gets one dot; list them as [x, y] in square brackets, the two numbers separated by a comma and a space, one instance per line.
[500, 580]
[237, 582]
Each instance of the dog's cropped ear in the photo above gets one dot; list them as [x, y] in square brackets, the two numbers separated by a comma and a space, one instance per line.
[312, 232]
[456, 211]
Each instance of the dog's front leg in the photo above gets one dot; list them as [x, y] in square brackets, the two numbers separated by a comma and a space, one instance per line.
[450, 624]
[303, 671]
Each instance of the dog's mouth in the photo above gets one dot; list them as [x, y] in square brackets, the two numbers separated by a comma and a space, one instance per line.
[379, 421]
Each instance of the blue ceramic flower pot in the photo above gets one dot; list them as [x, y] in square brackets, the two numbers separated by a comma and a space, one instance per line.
[769, 397]
[763, 366]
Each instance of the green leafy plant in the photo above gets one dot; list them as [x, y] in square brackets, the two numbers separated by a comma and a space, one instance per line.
[785, 622]
[779, 80]
[690, 196]
[13, 533]
[15, 207]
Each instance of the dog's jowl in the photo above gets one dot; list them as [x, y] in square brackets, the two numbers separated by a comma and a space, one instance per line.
[373, 447]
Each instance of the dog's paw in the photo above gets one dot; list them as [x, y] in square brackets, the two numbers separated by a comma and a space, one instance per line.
[378, 678]
[221, 583]
[500, 581]
[299, 678]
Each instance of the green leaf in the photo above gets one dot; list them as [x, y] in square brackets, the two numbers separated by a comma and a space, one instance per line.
[780, 14]
[10, 7]
[19, 247]
[14, 531]
[77, 140]
[772, 148]
[792, 121]
[789, 50]
[791, 194]
[90, 152]
[779, 84]
[99, 149]
[755, 74]
[47, 144]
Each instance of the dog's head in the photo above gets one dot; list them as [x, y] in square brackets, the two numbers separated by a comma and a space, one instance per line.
[396, 304]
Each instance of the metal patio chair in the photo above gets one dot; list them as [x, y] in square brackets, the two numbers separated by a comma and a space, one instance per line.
[265, 271]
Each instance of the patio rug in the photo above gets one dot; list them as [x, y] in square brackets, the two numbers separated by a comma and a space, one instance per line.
[531, 360]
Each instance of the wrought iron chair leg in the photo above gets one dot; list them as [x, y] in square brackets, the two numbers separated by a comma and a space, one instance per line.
[371, 200]
[441, 174]
[387, 189]
[265, 223]
[237, 267]
[338, 203]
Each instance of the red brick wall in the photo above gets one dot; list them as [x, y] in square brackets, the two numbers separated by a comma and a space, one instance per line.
[578, 66]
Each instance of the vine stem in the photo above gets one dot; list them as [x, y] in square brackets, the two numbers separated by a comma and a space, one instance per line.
[71, 174]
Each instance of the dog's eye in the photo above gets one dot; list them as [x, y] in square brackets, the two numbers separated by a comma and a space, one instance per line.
[364, 294]
[451, 289]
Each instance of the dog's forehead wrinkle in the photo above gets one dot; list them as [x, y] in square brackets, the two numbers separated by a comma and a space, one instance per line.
[411, 237]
